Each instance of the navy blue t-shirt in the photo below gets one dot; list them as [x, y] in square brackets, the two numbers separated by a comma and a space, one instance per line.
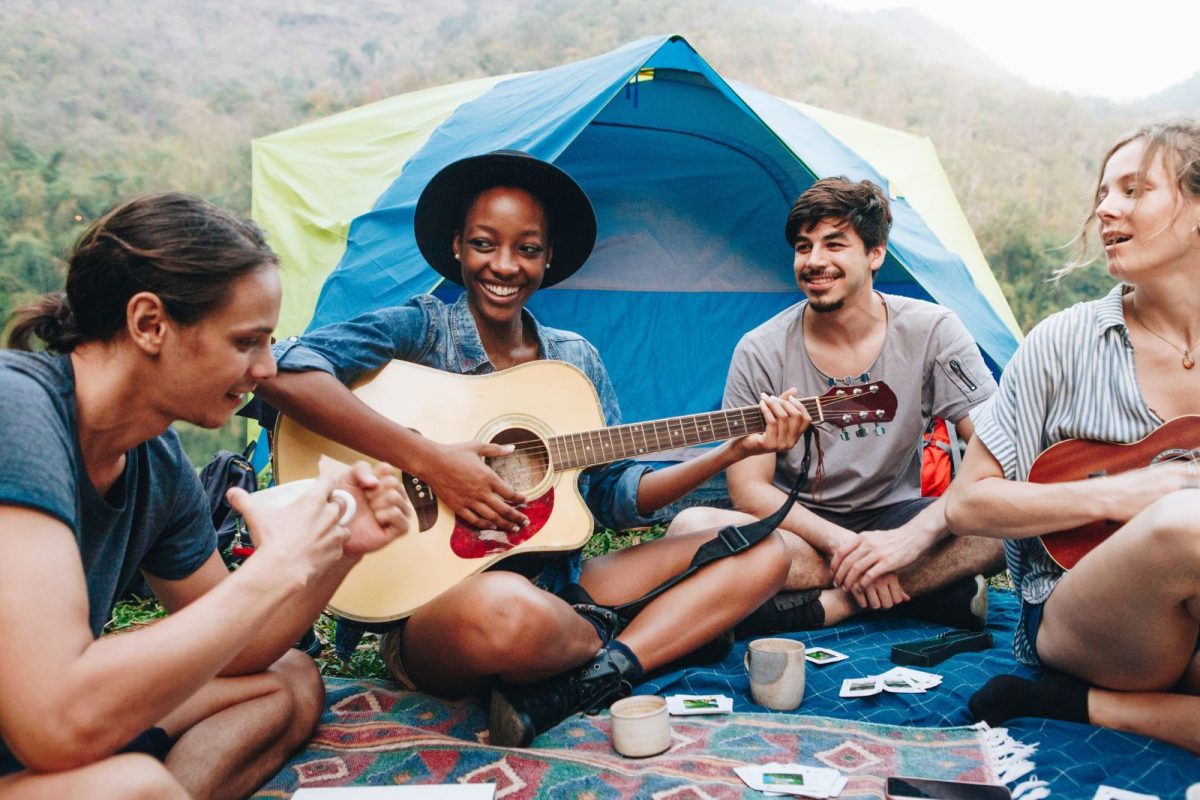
[155, 518]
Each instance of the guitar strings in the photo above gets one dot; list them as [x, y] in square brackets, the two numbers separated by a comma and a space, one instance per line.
[536, 451]
[539, 449]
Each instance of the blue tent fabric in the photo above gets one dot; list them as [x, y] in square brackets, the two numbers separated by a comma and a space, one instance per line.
[692, 179]
[1074, 759]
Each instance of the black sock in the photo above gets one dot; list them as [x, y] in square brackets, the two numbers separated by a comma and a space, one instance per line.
[785, 612]
[1005, 697]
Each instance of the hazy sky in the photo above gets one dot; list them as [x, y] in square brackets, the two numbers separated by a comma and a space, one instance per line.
[1118, 50]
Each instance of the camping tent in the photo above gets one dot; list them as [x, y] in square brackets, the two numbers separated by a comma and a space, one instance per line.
[691, 175]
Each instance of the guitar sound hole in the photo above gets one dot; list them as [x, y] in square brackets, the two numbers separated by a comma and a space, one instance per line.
[527, 465]
[1174, 454]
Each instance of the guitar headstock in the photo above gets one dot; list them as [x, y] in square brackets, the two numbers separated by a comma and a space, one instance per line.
[864, 404]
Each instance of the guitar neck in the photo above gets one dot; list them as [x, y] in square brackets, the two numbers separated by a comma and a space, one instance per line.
[605, 445]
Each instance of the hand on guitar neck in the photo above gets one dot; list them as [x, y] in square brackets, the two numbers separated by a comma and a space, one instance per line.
[786, 420]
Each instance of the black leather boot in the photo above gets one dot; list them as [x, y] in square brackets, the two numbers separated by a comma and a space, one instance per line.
[963, 604]
[708, 653]
[519, 713]
[783, 613]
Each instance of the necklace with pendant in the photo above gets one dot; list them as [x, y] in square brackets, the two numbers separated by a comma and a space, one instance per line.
[1187, 360]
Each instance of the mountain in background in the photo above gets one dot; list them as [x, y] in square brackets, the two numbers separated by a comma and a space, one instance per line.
[109, 98]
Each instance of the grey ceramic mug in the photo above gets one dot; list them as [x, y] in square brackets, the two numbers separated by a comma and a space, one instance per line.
[776, 668]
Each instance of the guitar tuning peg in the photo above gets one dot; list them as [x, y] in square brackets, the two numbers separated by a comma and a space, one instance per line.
[861, 432]
[845, 435]
[880, 430]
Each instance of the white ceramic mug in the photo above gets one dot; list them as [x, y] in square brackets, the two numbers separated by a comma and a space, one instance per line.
[776, 668]
[286, 493]
[640, 726]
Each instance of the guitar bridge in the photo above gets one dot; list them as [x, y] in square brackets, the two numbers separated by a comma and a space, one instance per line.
[423, 501]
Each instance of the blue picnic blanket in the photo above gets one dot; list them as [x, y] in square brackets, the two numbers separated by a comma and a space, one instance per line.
[1072, 758]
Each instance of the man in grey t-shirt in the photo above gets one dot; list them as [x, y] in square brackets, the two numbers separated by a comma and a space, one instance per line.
[862, 536]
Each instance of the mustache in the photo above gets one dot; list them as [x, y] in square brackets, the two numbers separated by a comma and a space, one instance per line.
[815, 273]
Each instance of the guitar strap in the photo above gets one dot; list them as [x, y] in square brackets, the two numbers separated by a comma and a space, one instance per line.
[730, 540]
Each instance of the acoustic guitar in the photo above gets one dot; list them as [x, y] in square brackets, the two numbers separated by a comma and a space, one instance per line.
[550, 411]
[1080, 459]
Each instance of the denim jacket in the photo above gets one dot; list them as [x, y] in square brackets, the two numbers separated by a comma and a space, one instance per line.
[428, 332]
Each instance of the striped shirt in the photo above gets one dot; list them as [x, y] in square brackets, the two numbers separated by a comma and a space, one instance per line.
[1072, 378]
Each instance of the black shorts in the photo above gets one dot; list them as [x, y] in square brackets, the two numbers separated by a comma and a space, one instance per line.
[881, 518]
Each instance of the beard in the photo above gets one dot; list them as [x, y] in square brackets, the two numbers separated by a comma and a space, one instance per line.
[822, 307]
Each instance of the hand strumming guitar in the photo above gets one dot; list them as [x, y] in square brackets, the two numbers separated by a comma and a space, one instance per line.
[461, 479]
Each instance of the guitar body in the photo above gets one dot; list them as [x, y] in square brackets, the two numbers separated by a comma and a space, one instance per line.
[550, 412]
[1080, 459]
[529, 402]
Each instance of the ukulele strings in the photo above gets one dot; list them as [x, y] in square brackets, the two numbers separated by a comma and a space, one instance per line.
[534, 454]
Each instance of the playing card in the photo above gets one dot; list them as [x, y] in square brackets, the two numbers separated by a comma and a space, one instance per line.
[925, 680]
[793, 779]
[687, 704]
[1111, 793]
[898, 684]
[860, 687]
[823, 655]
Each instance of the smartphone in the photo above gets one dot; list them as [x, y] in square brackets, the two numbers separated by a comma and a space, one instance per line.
[921, 788]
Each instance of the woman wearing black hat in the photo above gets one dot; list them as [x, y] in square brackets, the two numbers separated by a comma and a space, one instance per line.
[503, 225]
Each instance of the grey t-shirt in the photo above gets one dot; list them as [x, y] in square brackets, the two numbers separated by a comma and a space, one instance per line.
[928, 359]
[155, 517]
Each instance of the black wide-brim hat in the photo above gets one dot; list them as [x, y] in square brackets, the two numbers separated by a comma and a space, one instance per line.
[442, 208]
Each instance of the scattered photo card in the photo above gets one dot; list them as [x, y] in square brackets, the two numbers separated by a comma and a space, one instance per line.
[925, 680]
[861, 687]
[685, 704]
[823, 655]
[438, 791]
[897, 684]
[793, 779]
[1110, 793]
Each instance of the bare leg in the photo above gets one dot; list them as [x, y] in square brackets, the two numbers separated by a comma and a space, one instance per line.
[236, 732]
[952, 559]
[498, 624]
[692, 612]
[1126, 619]
[131, 776]
[807, 568]
[680, 620]
[948, 561]
[492, 624]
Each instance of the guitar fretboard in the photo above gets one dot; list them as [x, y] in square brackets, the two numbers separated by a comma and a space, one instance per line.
[589, 448]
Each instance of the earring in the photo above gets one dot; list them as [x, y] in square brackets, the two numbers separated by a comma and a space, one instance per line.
[457, 257]
[547, 265]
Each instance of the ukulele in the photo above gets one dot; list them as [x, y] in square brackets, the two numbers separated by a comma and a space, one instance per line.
[550, 411]
[1080, 459]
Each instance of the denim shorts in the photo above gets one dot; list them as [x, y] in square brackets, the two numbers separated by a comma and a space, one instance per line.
[153, 742]
[1032, 619]
[1033, 622]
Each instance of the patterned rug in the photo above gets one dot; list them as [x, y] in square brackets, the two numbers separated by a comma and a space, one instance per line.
[375, 735]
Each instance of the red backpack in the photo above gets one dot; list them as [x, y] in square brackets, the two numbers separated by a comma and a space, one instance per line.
[937, 458]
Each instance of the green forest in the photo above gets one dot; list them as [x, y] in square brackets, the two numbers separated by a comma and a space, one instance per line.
[109, 98]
